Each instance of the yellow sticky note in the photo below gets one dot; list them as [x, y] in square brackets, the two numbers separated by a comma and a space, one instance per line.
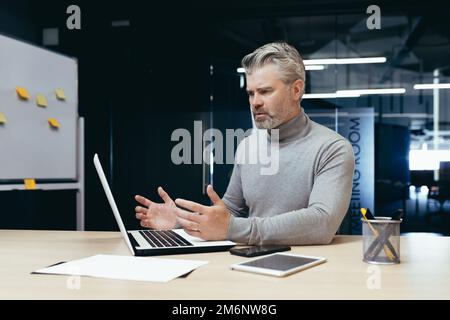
[60, 95]
[41, 101]
[30, 184]
[2, 118]
[53, 122]
[22, 93]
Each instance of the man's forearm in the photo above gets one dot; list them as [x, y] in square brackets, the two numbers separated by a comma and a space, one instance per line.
[307, 226]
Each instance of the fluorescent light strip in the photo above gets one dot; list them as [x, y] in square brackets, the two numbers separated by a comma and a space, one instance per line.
[311, 67]
[345, 61]
[373, 91]
[315, 67]
[328, 95]
[318, 64]
[426, 86]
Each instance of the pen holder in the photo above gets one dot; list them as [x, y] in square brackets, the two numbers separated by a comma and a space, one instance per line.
[381, 240]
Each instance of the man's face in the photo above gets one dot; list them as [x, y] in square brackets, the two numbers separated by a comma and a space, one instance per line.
[272, 101]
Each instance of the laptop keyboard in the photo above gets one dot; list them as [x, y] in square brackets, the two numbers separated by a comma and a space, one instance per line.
[164, 238]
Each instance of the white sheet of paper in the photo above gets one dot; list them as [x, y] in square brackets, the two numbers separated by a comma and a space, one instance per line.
[126, 268]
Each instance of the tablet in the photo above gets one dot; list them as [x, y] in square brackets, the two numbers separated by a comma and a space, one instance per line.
[279, 264]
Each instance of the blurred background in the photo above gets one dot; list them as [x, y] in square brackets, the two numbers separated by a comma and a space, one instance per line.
[148, 68]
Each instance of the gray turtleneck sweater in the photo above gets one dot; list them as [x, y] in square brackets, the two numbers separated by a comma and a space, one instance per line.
[305, 201]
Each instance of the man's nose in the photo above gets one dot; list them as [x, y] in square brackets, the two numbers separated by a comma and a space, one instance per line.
[257, 101]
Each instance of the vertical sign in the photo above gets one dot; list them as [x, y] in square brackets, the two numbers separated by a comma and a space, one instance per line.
[357, 126]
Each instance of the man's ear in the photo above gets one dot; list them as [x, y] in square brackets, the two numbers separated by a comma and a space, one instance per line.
[297, 88]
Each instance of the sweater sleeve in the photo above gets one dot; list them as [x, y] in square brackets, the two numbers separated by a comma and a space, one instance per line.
[233, 197]
[316, 224]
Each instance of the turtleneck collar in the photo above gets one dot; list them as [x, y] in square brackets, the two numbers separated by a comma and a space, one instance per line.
[294, 129]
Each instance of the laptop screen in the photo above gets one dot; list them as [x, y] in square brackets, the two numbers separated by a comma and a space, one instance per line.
[112, 202]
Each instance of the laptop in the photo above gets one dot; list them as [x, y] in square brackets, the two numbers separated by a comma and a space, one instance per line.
[157, 242]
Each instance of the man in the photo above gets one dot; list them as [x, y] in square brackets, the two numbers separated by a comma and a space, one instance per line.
[304, 202]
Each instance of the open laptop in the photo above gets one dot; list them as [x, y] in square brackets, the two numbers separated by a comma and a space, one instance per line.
[157, 242]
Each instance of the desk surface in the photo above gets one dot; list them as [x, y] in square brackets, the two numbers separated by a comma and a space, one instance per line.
[423, 274]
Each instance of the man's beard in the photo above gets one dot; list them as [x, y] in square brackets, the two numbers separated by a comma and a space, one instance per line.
[264, 124]
[270, 122]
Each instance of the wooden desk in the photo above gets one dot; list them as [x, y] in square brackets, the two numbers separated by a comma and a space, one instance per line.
[423, 274]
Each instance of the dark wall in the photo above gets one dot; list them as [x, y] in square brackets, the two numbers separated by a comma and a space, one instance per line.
[392, 174]
[16, 20]
[152, 80]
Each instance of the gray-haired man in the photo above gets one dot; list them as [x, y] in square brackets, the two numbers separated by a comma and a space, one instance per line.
[304, 202]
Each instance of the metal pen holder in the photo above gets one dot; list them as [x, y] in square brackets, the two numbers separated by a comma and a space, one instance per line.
[381, 240]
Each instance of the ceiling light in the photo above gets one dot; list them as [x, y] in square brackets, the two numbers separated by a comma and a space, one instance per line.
[432, 86]
[374, 91]
[315, 67]
[329, 95]
[345, 60]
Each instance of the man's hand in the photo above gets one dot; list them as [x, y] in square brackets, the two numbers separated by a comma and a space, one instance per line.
[205, 222]
[160, 216]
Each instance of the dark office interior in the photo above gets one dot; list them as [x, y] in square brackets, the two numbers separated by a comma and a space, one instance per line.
[148, 68]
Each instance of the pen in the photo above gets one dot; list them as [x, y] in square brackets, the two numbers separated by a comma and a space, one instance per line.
[368, 215]
[398, 215]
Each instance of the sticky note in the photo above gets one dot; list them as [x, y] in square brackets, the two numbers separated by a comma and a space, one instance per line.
[41, 101]
[53, 122]
[22, 93]
[30, 184]
[60, 95]
[2, 118]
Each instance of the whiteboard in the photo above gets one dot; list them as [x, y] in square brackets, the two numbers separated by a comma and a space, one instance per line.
[29, 146]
